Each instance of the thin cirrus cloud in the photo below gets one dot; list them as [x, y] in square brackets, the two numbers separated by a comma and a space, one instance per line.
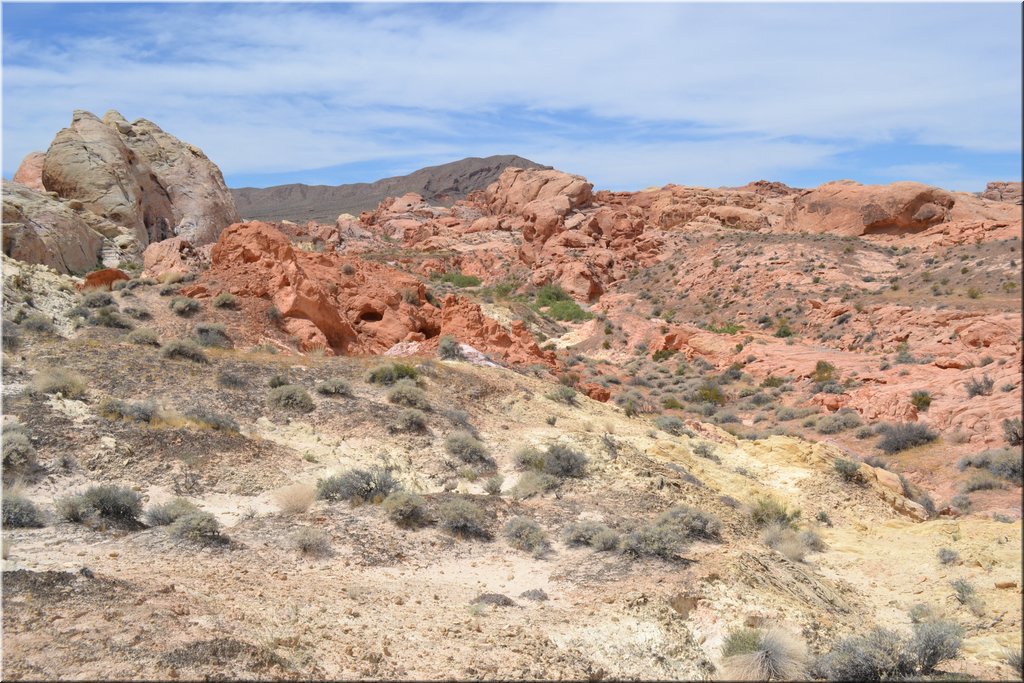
[628, 95]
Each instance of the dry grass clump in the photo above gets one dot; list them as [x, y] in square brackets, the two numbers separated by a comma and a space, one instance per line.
[58, 381]
[19, 512]
[167, 513]
[312, 542]
[290, 397]
[771, 655]
[18, 449]
[295, 498]
[389, 374]
[225, 300]
[198, 527]
[180, 348]
[184, 306]
[406, 509]
[335, 386]
[589, 533]
[213, 334]
[523, 533]
[144, 336]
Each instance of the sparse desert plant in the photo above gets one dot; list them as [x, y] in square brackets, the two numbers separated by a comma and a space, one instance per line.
[823, 372]
[901, 436]
[935, 642]
[199, 527]
[583, 533]
[532, 483]
[276, 381]
[833, 424]
[651, 541]
[961, 501]
[467, 448]
[706, 450]
[463, 518]
[391, 373]
[1016, 661]
[562, 461]
[184, 306]
[109, 316]
[982, 481]
[813, 541]
[18, 449]
[406, 393]
[529, 458]
[58, 381]
[1013, 431]
[786, 541]
[163, 514]
[231, 380]
[335, 386]
[410, 420]
[767, 511]
[290, 397]
[690, 522]
[406, 509]
[295, 498]
[181, 348]
[114, 409]
[311, 542]
[213, 334]
[1005, 463]
[523, 533]
[358, 486]
[670, 423]
[225, 300]
[562, 394]
[106, 500]
[848, 470]
[144, 336]
[963, 590]
[740, 642]
[774, 656]
[710, 392]
[948, 556]
[605, 540]
[97, 299]
[137, 313]
[493, 485]
[921, 400]
[11, 337]
[979, 387]
[880, 655]
[20, 512]
[448, 348]
[38, 322]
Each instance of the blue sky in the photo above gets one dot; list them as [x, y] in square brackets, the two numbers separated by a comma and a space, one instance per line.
[628, 95]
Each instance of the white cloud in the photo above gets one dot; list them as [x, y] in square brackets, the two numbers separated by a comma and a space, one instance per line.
[265, 88]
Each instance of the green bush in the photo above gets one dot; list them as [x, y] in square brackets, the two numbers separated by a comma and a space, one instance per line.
[335, 386]
[167, 513]
[921, 400]
[20, 512]
[523, 533]
[768, 511]
[460, 280]
[568, 311]
[225, 300]
[406, 509]
[463, 518]
[290, 397]
[709, 392]
[740, 642]
[466, 448]
[901, 436]
[406, 393]
[179, 348]
[213, 334]
[823, 372]
[849, 470]
[184, 306]
[549, 294]
[389, 374]
[358, 486]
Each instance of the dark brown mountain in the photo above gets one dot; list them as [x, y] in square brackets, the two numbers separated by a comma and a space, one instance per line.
[442, 185]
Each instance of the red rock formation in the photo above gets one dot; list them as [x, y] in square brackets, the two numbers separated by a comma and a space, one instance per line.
[175, 253]
[102, 279]
[30, 172]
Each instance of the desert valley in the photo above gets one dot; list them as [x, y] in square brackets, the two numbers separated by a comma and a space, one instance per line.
[487, 421]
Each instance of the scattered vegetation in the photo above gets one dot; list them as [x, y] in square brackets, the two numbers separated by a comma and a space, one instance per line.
[58, 381]
[921, 400]
[901, 436]
[767, 511]
[389, 374]
[144, 336]
[406, 509]
[180, 348]
[106, 500]
[448, 348]
[771, 655]
[523, 533]
[311, 542]
[167, 513]
[562, 394]
[358, 486]
[467, 448]
[184, 306]
[290, 397]
[979, 387]
[20, 512]
[463, 518]
[885, 655]
[225, 300]
[406, 393]
[212, 334]
[198, 527]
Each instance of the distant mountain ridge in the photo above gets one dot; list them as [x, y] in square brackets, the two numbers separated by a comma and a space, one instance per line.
[443, 184]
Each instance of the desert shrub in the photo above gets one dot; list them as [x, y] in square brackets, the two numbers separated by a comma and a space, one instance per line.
[406, 509]
[982, 481]
[462, 518]
[562, 394]
[1002, 462]
[921, 400]
[460, 280]
[311, 542]
[180, 348]
[771, 655]
[785, 414]
[935, 642]
[917, 495]
[144, 336]
[605, 540]
[448, 348]
[20, 512]
[467, 448]
[1016, 661]
[184, 306]
[212, 334]
[670, 423]
[231, 380]
[389, 374]
[562, 461]
[823, 518]
[849, 470]
[58, 381]
[813, 541]
[767, 511]
[963, 590]
[523, 533]
[948, 556]
[1013, 431]
[961, 501]
[169, 289]
[108, 316]
[11, 337]
[652, 541]
[97, 300]
[105, 500]
[199, 527]
[406, 393]
[290, 397]
[493, 485]
[710, 392]
[532, 483]
[38, 322]
[114, 409]
[786, 541]
[529, 458]
[277, 381]
[410, 420]
[740, 642]
[880, 655]
[823, 372]
[335, 386]
[865, 432]
[582, 533]
[18, 450]
[137, 313]
[166, 513]
[295, 498]
[690, 522]
[901, 436]
[358, 485]
[833, 424]
[979, 387]
[203, 417]
[225, 300]
[706, 450]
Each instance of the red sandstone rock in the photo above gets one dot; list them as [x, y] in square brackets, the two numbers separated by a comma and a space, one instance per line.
[102, 279]
[30, 172]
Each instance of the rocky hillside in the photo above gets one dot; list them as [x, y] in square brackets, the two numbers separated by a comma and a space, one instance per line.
[437, 184]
